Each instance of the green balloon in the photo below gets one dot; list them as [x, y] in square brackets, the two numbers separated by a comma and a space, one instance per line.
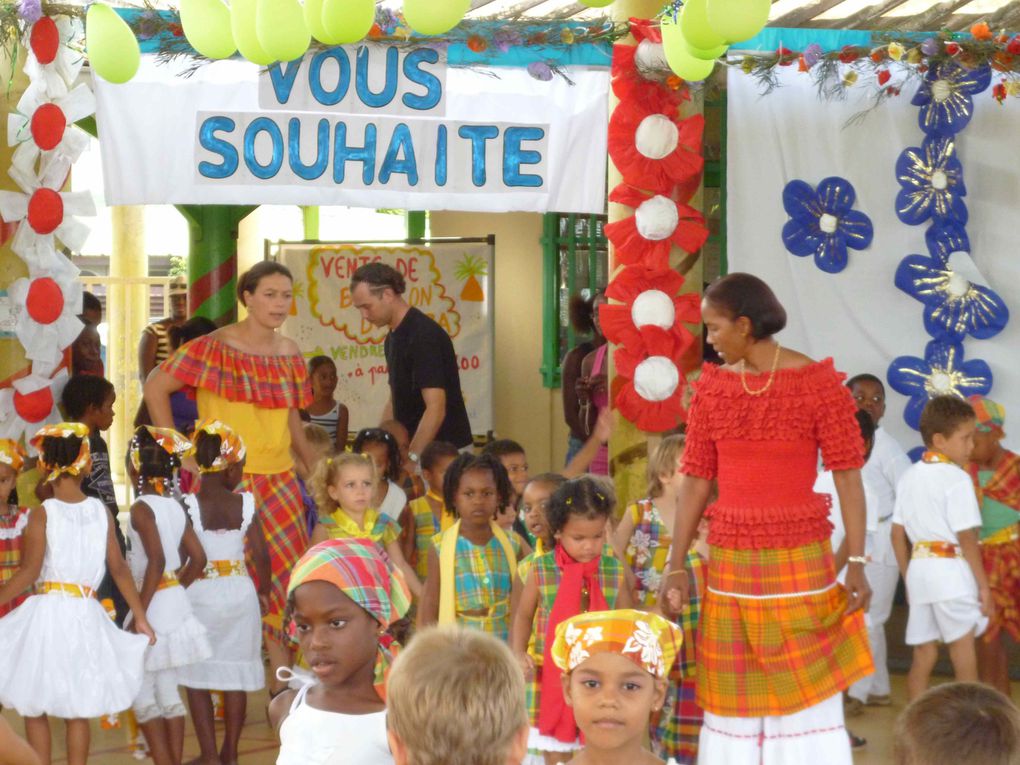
[738, 20]
[313, 20]
[346, 21]
[706, 54]
[280, 29]
[206, 24]
[597, 3]
[695, 28]
[679, 59]
[242, 24]
[434, 17]
[110, 44]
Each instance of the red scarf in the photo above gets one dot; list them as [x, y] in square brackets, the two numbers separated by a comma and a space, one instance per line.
[555, 718]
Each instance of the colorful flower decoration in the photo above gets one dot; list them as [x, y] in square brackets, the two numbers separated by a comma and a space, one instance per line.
[55, 53]
[931, 178]
[655, 150]
[957, 301]
[822, 222]
[46, 310]
[942, 372]
[649, 303]
[943, 239]
[657, 224]
[43, 124]
[652, 392]
[30, 403]
[945, 97]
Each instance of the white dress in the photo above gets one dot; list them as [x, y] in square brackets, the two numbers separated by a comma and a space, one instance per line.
[181, 639]
[311, 736]
[62, 654]
[229, 608]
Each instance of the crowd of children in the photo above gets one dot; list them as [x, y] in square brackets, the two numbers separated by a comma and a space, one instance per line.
[531, 582]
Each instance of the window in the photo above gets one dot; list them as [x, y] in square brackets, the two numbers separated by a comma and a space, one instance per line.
[713, 254]
[575, 260]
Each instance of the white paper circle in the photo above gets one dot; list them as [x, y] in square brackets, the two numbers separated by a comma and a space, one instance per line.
[941, 383]
[653, 307]
[657, 218]
[656, 136]
[941, 90]
[650, 57]
[958, 286]
[828, 223]
[656, 378]
[939, 181]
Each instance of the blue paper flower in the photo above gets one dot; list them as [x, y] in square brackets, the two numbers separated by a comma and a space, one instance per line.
[944, 239]
[931, 178]
[823, 224]
[942, 372]
[945, 97]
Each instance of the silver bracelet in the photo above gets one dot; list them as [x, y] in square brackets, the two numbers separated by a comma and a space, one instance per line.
[862, 559]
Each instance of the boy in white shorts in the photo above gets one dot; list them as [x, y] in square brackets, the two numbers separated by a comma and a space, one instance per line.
[937, 509]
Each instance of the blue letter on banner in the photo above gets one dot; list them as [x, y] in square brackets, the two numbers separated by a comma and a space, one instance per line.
[414, 73]
[383, 97]
[478, 135]
[308, 172]
[283, 79]
[342, 153]
[259, 125]
[335, 96]
[207, 138]
[401, 140]
[514, 156]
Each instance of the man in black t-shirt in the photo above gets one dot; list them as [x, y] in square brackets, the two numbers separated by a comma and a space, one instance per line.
[425, 393]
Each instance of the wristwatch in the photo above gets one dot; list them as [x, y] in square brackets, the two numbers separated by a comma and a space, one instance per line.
[413, 456]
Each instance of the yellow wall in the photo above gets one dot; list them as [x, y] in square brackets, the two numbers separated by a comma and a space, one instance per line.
[523, 409]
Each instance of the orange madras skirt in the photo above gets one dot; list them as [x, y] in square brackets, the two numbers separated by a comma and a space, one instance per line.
[774, 636]
[1000, 554]
[281, 513]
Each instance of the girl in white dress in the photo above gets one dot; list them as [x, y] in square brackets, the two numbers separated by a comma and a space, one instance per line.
[62, 655]
[159, 533]
[223, 596]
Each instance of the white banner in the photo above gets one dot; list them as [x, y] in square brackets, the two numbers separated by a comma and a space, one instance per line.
[858, 315]
[365, 126]
[449, 281]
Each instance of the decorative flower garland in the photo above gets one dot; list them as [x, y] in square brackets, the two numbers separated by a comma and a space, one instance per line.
[47, 302]
[659, 157]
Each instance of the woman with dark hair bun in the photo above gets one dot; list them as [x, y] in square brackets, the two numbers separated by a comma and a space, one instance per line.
[780, 639]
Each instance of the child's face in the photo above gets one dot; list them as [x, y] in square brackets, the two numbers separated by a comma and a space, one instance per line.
[101, 418]
[870, 397]
[476, 498]
[337, 636]
[8, 478]
[958, 444]
[353, 488]
[86, 351]
[435, 475]
[986, 444]
[535, 503]
[380, 456]
[233, 475]
[517, 468]
[671, 481]
[324, 381]
[582, 538]
[612, 699]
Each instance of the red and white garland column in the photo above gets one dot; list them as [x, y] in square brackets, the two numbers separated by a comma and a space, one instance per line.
[47, 302]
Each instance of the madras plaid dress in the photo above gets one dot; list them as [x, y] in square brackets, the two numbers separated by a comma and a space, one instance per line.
[380, 528]
[424, 530]
[11, 528]
[1000, 551]
[482, 583]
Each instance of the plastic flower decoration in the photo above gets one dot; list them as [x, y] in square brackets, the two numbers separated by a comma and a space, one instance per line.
[30, 403]
[46, 311]
[655, 150]
[54, 53]
[657, 224]
[944, 239]
[650, 304]
[945, 97]
[651, 394]
[822, 222]
[931, 181]
[942, 372]
[43, 124]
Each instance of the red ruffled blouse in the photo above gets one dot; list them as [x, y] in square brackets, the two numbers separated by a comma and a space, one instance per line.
[763, 452]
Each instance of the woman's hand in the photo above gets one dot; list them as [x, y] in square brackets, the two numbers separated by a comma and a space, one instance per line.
[675, 592]
[857, 589]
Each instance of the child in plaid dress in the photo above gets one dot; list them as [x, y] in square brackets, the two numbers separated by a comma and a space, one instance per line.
[13, 519]
[429, 510]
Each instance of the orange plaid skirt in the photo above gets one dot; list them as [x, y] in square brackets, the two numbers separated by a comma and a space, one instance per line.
[774, 636]
[1002, 565]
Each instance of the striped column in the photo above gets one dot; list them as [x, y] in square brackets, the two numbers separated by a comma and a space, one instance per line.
[212, 259]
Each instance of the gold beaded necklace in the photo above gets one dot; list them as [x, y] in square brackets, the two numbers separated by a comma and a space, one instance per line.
[772, 375]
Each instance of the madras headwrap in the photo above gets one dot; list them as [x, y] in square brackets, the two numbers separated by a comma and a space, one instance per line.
[232, 449]
[64, 430]
[12, 454]
[649, 640]
[168, 438]
[991, 416]
[356, 568]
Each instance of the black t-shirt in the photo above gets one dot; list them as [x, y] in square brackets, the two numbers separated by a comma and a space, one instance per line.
[420, 355]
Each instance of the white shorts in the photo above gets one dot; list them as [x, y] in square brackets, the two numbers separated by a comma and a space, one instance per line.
[945, 621]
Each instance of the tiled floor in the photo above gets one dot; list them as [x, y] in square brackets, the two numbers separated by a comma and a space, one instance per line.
[258, 745]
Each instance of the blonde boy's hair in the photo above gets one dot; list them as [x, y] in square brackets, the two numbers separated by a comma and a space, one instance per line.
[318, 437]
[665, 459]
[959, 723]
[326, 474]
[456, 697]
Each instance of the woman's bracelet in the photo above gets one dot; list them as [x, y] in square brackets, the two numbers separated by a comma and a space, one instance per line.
[676, 571]
[862, 559]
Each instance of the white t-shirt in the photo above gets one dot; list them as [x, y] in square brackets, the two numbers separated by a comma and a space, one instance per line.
[934, 502]
[825, 484]
[394, 502]
[881, 473]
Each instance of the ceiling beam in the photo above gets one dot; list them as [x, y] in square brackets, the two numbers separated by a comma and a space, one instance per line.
[804, 13]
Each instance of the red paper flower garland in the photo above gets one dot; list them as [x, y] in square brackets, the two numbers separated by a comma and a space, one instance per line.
[659, 156]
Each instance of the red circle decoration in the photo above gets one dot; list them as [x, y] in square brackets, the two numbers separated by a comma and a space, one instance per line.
[48, 125]
[45, 300]
[45, 40]
[35, 406]
[45, 211]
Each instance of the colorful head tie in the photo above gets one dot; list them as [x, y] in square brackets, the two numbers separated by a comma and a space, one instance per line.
[990, 415]
[232, 448]
[64, 430]
[168, 438]
[12, 454]
[358, 569]
[647, 639]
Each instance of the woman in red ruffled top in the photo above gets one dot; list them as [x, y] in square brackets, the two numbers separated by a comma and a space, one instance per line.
[255, 380]
[780, 639]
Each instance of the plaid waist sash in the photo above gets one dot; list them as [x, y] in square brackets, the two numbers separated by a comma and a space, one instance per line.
[65, 588]
[936, 550]
[1003, 536]
[215, 569]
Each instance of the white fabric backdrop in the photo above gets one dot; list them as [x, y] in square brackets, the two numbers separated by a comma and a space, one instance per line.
[858, 316]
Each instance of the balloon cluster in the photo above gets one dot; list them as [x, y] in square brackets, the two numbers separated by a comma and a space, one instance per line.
[700, 31]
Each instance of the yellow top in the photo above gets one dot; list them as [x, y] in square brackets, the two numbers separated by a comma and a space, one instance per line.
[265, 432]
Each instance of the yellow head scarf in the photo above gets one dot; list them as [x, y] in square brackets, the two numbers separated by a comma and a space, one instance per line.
[647, 639]
[64, 430]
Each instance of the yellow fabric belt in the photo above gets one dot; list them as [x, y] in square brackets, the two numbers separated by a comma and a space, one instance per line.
[74, 590]
[1003, 536]
[169, 580]
[936, 550]
[215, 569]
